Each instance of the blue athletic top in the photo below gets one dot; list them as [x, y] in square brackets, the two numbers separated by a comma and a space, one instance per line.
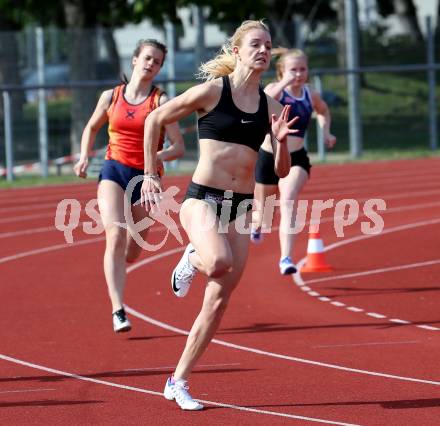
[227, 123]
[299, 107]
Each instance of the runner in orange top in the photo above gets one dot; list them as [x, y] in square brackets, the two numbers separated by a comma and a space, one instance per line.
[126, 127]
[125, 108]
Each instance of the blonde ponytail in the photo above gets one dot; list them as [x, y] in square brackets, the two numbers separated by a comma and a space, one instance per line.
[224, 63]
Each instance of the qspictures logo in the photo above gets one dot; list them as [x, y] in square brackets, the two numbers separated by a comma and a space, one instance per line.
[344, 213]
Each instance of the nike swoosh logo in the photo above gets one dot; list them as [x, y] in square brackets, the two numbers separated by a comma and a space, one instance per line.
[175, 289]
[245, 122]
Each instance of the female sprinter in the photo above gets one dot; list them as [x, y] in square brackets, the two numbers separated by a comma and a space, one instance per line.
[125, 108]
[290, 89]
[234, 116]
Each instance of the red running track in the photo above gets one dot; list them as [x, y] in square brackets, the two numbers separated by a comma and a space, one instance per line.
[359, 345]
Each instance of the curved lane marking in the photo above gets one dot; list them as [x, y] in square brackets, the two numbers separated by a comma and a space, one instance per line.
[240, 347]
[375, 271]
[304, 285]
[277, 355]
[322, 194]
[150, 392]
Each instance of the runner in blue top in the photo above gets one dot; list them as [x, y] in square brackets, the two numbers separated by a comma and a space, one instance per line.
[290, 89]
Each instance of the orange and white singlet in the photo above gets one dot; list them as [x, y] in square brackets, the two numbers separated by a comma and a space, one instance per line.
[126, 127]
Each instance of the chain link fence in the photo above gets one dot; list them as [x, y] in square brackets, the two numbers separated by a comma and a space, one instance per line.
[395, 92]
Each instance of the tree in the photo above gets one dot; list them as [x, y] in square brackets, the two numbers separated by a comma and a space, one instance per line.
[82, 18]
[341, 34]
[9, 73]
[81, 32]
[280, 15]
[437, 29]
[14, 15]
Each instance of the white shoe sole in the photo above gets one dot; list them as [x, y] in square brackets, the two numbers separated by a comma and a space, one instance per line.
[173, 275]
[123, 328]
[168, 394]
[180, 292]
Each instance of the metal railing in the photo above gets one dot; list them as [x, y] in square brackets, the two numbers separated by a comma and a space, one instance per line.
[350, 121]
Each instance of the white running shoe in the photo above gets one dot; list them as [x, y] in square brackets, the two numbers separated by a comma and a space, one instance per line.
[256, 236]
[120, 321]
[287, 267]
[178, 391]
[183, 273]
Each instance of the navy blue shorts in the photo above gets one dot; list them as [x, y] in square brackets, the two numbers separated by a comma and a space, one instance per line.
[121, 174]
[265, 168]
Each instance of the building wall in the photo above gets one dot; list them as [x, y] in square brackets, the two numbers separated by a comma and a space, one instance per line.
[127, 37]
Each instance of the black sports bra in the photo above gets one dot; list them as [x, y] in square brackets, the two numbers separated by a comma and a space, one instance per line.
[227, 123]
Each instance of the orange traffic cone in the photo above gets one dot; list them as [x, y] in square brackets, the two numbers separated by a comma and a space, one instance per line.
[315, 255]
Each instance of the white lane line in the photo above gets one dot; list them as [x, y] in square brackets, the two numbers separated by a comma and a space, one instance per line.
[336, 303]
[28, 231]
[29, 202]
[375, 271]
[305, 288]
[385, 196]
[155, 229]
[27, 390]
[374, 315]
[44, 196]
[411, 342]
[32, 207]
[399, 321]
[53, 205]
[90, 193]
[280, 356]
[299, 281]
[353, 188]
[16, 218]
[53, 228]
[384, 232]
[150, 392]
[428, 327]
[313, 293]
[408, 170]
[62, 246]
[172, 367]
[49, 249]
[381, 177]
[26, 217]
[361, 215]
[168, 327]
